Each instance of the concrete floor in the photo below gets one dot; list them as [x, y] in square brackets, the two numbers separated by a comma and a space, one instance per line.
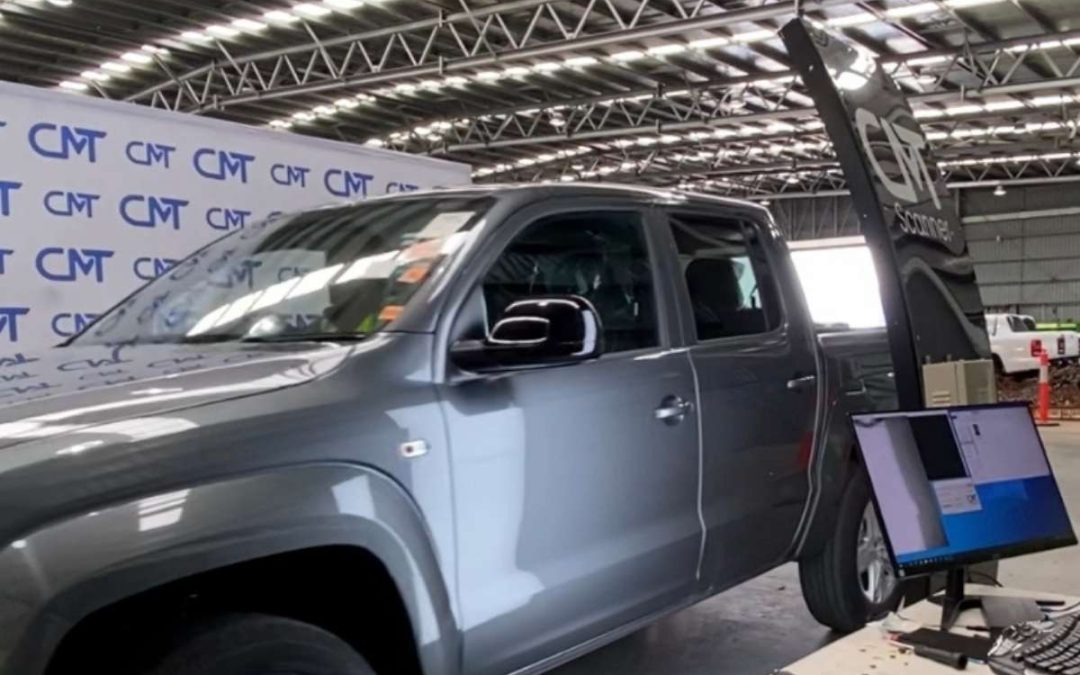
[763, 625]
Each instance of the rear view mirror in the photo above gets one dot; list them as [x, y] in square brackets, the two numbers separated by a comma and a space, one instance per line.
[542, 331]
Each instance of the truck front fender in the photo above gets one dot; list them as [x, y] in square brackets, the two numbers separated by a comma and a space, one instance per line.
[63, 572]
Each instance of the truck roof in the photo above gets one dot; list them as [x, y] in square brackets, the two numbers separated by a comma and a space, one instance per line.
[584, 189]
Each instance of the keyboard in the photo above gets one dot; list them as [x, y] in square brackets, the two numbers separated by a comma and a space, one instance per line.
[1038, 647]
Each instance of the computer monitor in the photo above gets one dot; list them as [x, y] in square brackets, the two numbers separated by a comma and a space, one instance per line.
[961, 485]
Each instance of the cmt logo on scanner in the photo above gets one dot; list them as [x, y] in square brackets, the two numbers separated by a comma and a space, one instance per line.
[907, 146]
[64, 142]
[222, 164]
[71, 264]
[9, 322]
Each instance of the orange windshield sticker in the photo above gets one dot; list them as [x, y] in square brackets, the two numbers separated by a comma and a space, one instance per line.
[390, 312]
[415, 273]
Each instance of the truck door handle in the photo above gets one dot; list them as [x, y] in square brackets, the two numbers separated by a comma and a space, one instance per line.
[673, 409]
[799, 382]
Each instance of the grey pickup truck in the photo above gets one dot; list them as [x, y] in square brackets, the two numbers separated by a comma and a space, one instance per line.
[476, 431]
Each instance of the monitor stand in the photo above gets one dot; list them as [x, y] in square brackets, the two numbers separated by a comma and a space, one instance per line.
[998, 611]
[953, 602]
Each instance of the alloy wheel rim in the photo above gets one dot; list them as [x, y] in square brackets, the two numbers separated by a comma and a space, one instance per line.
[877, 579]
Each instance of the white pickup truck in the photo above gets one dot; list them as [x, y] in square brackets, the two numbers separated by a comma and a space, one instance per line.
[1016, 342]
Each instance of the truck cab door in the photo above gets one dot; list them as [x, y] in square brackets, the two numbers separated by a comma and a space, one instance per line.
[576, 486]
[754, 356]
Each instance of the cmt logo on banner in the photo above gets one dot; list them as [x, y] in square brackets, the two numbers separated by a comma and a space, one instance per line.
[70, 264]
[394, 186]
[6, 188]
[345, 183]
[286, 174]
[226, 219]
[907, 147]
[64, 142]
[67, 204]
[9, 322]
[4, 253]
[222, 164]
[150, 211]
[147, 269]
[67, 324]
[149, 154]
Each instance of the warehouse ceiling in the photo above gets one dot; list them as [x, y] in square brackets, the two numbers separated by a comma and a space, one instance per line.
[696, 93]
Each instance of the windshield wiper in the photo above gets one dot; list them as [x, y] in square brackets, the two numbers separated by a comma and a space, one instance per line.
[305, 337]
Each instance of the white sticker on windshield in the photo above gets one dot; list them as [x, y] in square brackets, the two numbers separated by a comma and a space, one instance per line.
[445, 224]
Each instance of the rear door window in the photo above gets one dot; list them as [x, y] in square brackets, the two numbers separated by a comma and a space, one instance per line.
[731, 289]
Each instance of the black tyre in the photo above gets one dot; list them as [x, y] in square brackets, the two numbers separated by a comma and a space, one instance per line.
[258, 644]
[851, 581]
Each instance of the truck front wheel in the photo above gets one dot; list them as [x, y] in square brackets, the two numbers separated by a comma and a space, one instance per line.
[851, 581]
[245, 644]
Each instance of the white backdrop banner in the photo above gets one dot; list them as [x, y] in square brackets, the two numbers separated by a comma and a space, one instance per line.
[98, 197]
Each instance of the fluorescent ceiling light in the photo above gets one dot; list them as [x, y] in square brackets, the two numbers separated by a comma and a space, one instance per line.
[60, 3]
[343, 4]
[116, 67]
[627, 56]
[963, 4]
[579, 61]
[488, 75]
[136, 57]
[516, 71]
[194, 36]
[278, 16]
[667, 50]
[547, 66]
[710, 43]
[154, 49]
[911, 10]
[311, 9]
[851, 20]
[72, 85]
[218, 30]
[95, 75]
[964, 109]
[280, 124]
[754, 36]
[346, 103]
[995, 106]
[249, 25]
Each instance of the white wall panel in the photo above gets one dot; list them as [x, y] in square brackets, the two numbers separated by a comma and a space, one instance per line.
[97, 197]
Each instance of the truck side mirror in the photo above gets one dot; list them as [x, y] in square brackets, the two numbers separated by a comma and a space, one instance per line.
[543, 331]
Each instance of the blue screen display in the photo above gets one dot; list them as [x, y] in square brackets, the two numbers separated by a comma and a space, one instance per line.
[1013, 512]
[957, 485]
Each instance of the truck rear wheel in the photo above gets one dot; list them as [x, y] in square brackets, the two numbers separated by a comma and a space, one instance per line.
[851, 581]
[257, 644]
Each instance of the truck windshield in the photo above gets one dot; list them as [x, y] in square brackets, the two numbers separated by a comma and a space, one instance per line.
[333, 273]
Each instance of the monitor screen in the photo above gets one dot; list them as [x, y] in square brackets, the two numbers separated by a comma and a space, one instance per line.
[961, 485]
